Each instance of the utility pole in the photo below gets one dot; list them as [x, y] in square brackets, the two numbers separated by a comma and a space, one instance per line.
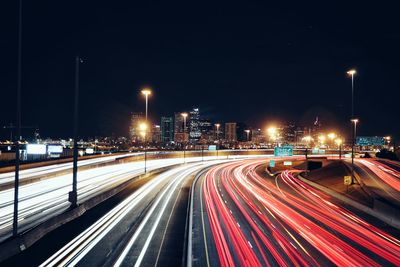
[73, 195]
[18, 136]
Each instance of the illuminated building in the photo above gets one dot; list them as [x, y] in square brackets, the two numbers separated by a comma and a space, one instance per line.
[167, 129]
[230, 132]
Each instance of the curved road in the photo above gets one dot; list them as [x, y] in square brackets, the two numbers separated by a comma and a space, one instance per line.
[242, 217]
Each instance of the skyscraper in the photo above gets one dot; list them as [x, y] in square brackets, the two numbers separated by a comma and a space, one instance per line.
[230, 132]
[167, 129]
[241, 134]
[194, 125]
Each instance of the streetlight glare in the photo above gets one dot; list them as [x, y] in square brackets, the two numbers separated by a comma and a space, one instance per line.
[331, 136]
[143, 126]
[146, 91]
[354, 120]
[352, 72]
[272, 130]
[338, 141]
[184, 114]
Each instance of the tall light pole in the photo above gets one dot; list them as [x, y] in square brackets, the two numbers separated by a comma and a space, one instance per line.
[73, 195]
[352, 72]
[339, 142]
[146, 92]
[248, 134]
[18, 137]
[354, 134]
[217, 125]
[184, 116]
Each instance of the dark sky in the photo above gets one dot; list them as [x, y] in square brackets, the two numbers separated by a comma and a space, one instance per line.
[252, 62]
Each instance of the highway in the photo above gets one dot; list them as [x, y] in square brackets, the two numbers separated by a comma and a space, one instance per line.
[379, 179]
[55, 168]
[44, 199]
[146, 228]
[243, 217]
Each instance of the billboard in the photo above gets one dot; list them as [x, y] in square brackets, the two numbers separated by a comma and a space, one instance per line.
[54, 149]
[36, 149]
[370, 141]
[283, 151]
[89, 150]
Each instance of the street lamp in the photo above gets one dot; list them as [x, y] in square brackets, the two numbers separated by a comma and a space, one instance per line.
[146, 92]
[339, 142]
[247, 133]
[387, 138]
[354, 121]
[184, 116]
[217, 125]
[143, 131]
[73, 195]
[352, 72]
[273, 133]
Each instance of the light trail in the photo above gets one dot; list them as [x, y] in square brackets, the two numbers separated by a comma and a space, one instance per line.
[161, 188]
[300, 227]
[42, 200]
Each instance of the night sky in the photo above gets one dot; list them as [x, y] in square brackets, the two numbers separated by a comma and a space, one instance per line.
[253, 62]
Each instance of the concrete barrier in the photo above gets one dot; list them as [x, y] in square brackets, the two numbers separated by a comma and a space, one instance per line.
[388, 216]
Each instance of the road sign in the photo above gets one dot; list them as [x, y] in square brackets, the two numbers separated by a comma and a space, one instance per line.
[347, 180]
[212, 147]
[318, 151]
[283, 151]
[287, 163]
[272, 163]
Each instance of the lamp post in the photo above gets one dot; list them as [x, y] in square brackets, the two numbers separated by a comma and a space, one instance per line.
[73, 195]
[248, 134]
[18, 117]
[339, 142]
[184, 116]
[217, 125]
[354, 134]
[146, 92]
[352, 72]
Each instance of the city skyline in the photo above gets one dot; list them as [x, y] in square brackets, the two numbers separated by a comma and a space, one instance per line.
[288, 65]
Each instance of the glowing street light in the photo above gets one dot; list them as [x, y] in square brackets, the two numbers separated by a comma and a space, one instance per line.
[247, 133]
[273, 133]
[339, 142]
[146, 92]
[217, 125]
[184, 115]
[321, 139]
[354, 121]
[331, 136]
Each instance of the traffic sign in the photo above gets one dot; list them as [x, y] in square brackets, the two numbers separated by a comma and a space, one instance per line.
[283, 151]
[347, 180]
[272, 163]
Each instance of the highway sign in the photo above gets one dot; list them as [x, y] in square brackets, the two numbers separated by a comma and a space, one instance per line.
[318, 151]
[347, 180]
[212, 147]
[272, 163]
[283, 151]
